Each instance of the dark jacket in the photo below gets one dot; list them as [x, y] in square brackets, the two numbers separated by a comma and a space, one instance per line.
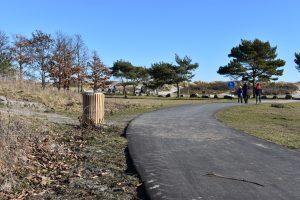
[245, 90]
[240, 92]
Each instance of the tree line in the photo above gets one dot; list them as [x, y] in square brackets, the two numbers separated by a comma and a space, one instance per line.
[64, 59]
[157, 75]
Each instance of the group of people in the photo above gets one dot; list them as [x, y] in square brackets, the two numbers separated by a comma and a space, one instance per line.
[242, 93]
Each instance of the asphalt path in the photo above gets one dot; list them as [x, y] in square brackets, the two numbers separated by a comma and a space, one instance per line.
[186, 153]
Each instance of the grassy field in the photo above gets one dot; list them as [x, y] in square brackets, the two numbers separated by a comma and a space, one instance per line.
[278, 123]
[41, 160]
[69, 103]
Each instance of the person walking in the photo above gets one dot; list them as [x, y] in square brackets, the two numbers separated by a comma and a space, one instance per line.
[245, 92]
[240, 94]
[258, 91]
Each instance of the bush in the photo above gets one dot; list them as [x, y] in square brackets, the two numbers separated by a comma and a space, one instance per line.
[205, 87]
[278, 88]
[288, 96]
[278, 105]
[194, 95]
[228, 97]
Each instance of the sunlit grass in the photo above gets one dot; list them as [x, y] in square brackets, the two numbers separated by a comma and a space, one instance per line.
[278, 124]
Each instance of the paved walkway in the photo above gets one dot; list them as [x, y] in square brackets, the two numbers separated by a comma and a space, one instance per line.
[185, 153]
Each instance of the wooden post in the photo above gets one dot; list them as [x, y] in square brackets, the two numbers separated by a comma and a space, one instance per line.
[93, 108]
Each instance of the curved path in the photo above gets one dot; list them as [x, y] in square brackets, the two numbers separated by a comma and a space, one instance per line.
[185, 153]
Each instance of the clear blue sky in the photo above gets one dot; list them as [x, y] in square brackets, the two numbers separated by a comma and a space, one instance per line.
[148, 31]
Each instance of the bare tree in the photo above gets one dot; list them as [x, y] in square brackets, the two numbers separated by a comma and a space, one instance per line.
[61, 66]
[21, 53]
[80, 61]
[41, 45]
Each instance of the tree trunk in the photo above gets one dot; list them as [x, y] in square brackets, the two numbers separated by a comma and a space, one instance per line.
[124, 91]
[43, 73]
[68, 84]
[253, 86]
[81, 86]
[59, 84]
[43, 80]
[21, 72]
[95, 86]
[78, 83]
[178, 92]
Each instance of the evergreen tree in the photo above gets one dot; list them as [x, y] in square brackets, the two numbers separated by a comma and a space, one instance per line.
[297, 61]
[124, 70]
[138, 75]
[99, 73]
[255, 60]
[6, 67]
[183, 70]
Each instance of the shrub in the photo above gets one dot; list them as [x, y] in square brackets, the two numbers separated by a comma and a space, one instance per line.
[278, 105]
[205, 87]
[288, 96]
[264, 97]
[228, 97]
[278, 88]
[194, 95]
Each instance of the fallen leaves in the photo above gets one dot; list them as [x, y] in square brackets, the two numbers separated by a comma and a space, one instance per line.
[73, 162]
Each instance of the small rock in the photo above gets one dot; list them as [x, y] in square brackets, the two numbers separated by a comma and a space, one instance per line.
[3, 98]
[103, 188]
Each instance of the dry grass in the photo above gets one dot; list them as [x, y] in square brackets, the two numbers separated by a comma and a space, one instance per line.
[277, 123]
[54, 100]
[39, 160]
[18, 139]
[70, 102]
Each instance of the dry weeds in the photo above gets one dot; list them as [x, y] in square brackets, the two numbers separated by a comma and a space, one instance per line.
[39, 160]
[47, 161]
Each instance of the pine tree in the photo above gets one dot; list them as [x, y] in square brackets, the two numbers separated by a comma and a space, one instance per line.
[255, 60]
